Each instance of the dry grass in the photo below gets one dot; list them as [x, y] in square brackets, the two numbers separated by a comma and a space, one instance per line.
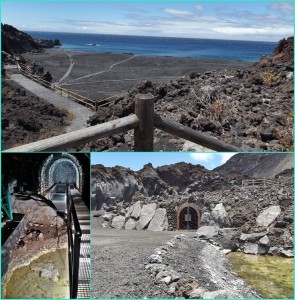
[270, 76]
[45, 134]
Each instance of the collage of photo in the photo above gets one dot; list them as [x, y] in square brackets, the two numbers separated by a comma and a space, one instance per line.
[147, 149]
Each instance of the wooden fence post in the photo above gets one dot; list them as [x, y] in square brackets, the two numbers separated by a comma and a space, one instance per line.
[144, 133]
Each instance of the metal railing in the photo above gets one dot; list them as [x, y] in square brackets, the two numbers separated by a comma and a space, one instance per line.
[74, 241]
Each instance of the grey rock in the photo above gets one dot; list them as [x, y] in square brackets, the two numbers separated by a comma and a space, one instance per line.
[221, 294]
[159, 220]
[129, 211]
[264, 241]
[252, 237]
[287, 253]
[154, 258]
[229, 238]
[197, 293]
[207, 232]
[118, 222]
[273, 251]
[219, 214]
[147, 213]
[108, 216]
[268, 216]
[136, 210]
[130, 224]
[46, 270]
[156, 267]
[98, 213]
[205, 218]
[255, 249]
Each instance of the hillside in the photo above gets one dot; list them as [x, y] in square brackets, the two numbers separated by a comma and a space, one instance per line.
[261, 166]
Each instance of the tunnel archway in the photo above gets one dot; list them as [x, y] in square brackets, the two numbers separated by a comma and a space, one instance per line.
[188, 217]
[60, 168]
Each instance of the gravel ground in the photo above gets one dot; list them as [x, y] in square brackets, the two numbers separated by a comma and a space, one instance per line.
[119, 258]
[80, 112]
[127, 70]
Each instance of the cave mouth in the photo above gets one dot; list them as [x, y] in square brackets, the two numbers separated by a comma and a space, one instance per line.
[188, 217]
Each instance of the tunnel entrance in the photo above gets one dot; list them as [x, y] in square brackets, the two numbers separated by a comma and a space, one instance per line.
[188, 217]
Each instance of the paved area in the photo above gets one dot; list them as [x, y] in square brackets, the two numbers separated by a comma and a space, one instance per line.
[81, 113]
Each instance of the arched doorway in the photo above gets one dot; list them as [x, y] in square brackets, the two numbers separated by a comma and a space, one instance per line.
[188, 217]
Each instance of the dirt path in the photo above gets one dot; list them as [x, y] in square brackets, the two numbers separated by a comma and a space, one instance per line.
[107, 70]
[72, 63]
[80, 112]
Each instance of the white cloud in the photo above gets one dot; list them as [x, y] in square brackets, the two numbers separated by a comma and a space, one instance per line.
[177, 12]
[285, 8]
[203, 156]
[199, 7]
[226, 156]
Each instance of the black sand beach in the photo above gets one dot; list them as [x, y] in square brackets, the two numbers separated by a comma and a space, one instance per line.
[101, 75]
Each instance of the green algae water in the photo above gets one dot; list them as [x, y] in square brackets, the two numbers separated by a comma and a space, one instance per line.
[272, 276]
[27, 283]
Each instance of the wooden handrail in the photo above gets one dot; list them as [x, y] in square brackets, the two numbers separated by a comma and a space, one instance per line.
[191, 135]
[81, 136]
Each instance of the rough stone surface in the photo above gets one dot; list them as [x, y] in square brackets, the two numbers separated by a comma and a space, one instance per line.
[118, 222]
[108, 216]
[219, 294]
[255, 249]
[219, 214]
[252, 237]
[130, 224]
[268, 216]
[207, 232]
[159, 220]
[147, 213]
[37, 212]
[264, 241]
[136, 210]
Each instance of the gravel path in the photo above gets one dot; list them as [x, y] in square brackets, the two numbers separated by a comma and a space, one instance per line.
[119, 258]
[118, 262]
[80, 112]
[72, 63]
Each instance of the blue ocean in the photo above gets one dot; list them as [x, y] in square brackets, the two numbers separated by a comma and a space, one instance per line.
[161, 46]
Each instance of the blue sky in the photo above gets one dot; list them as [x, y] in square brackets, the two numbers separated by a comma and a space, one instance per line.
[136, 160]
[238, 20]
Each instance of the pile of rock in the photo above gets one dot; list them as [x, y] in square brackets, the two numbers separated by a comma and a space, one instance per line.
[138, 216]
[262, 241]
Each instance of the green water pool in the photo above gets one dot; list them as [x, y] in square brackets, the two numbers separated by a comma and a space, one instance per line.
[26, 283]
[272, 276]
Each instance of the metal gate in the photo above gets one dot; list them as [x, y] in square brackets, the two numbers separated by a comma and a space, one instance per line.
[188, 218]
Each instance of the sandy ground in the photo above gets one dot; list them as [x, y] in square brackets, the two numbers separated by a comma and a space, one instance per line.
[101, 75]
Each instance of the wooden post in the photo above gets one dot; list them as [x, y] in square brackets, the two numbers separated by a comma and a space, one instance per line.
[144, 133]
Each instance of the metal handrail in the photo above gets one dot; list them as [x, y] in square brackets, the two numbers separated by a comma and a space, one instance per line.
[74, 241]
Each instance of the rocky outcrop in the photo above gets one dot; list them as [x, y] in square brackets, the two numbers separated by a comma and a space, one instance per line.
[284, 52]
[16, 42]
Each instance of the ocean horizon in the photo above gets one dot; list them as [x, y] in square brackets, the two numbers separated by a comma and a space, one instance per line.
[161, 46]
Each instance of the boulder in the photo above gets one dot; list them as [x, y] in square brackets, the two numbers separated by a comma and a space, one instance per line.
[255, 249]
[252, 237]
[287, 253]
[229, 238]
[108, 216]
[159, 220]
[268, 216]
[264, 241]
[147, 213]
[130, 224]
[207, 232]
[205, 218]
[136, 210]
[197, 293]
[219, 214]
[129, 211]
[118, 222]
[38, 212]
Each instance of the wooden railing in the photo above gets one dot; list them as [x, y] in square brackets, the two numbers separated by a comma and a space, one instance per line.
[143, 122]
[267, 182]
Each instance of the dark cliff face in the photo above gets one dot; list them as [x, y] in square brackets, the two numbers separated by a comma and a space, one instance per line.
[284, 52]
[15, 41]
[257, 166]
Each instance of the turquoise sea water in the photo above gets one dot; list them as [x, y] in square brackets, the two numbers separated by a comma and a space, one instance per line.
[161, 46]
